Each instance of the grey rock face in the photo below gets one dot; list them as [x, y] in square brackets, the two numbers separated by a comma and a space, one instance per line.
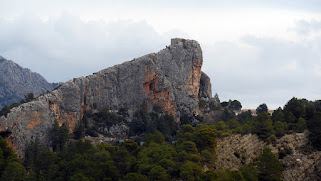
[169, 79]
[15, 82]
[205, 86]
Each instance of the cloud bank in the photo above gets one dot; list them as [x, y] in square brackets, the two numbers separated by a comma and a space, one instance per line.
[253, 69]
[67, 47]
[266, 70]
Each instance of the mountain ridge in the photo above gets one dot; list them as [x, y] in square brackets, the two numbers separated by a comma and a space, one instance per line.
[16, 82]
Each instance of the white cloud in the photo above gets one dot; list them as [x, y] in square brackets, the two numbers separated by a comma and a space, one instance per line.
[317, 70]
[291, 66]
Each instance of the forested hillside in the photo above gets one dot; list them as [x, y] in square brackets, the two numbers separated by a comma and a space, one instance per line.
[160, 149]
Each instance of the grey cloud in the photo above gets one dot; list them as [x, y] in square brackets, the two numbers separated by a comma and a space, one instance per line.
[68, 47]
[254, 70]
[305, 27]
[266, 70]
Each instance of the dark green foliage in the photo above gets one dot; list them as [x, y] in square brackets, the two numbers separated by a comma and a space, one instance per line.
[29, 97]
[157, 137]
[301, 125]
[158, 173]
[224, 104]
[122, 160]
[105, 119]
[245, 116]
[262, 108]
[227, 115]
[236, 105]
[202, 104]
[14, 171]
[264, 126]
[278, 115]
[314, 126]
[59, 136]
[79, 177]
[130, 145]
[204, 137]
[10, 166]
[296, 107]
[6, 109]
[279, 128]
[79, 131]
[185, 119]
[188, 146]
[232, 105]
[135, 177]
[144, 122]
[39, 159]
[155, 160]
[208, 158]
[190, 171]
[249, 172]
[269, 166]
[209, 175]
[215, 103]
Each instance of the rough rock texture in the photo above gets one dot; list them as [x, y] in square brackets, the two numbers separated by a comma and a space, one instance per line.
[169, 79]
[303, 164]
[247, 147]
[15, 82]
[205, 86]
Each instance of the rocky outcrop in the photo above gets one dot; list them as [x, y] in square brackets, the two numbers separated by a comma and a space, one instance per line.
[16, 82]
[205, 86]
[169, 79]
[302, 163]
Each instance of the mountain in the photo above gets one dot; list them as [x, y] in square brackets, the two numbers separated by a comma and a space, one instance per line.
[16, 82]
[170, 79]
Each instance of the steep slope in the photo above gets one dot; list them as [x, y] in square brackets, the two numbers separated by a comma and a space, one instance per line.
[169, 79]
[15, 82]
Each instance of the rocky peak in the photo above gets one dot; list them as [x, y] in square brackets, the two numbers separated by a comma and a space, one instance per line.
[1, 59]
[15, 82]
[169, 79]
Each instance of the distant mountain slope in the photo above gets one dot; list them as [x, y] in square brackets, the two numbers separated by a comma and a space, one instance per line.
[15, 82]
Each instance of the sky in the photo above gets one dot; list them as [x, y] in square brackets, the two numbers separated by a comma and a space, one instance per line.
[254, 51]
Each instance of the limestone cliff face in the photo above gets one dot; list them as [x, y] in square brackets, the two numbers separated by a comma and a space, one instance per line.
[169, 78]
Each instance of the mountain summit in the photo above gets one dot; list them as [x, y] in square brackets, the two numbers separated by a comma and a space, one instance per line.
[170, 79]
[16, 82]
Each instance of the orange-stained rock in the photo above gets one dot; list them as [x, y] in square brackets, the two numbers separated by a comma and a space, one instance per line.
[156, 93]
[35, 120]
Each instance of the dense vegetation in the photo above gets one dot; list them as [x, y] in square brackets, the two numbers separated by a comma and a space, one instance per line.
[296, 116]
[160, 149]
[154, 160]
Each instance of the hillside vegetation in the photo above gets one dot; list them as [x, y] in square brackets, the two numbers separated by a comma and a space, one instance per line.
[160, 149]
